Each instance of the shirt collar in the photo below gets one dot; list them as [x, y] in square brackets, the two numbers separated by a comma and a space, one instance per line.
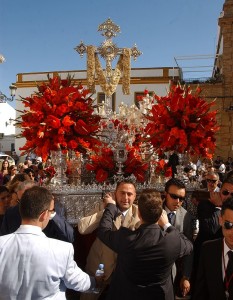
[125, 212]
[225, 248]
[30, 229]
[168, 210]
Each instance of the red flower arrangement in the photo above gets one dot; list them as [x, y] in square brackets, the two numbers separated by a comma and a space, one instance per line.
[162, 168]
[50, 171]
[182, 121]
[59, 116]
[104, 166]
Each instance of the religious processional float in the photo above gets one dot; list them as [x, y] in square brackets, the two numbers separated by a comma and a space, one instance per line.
[92, 148]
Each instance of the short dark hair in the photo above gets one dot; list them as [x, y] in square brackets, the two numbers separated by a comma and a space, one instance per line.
[227, 204]
[150, 206]
[125, 181]
[34, 201]
[29, 170]
[174, 181]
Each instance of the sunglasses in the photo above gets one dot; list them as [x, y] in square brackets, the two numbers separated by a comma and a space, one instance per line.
[211, 180]
[175, 197]
[227, 225]
[226, 193]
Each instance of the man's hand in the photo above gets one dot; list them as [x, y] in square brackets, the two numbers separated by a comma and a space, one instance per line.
[215, 198]
[184, 286]
[163, 220]
[109, 198]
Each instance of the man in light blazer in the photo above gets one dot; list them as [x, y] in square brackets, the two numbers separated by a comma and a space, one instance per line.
[175, 192]
[146, 255]
[211, 283]
[34, 266]
[125, 196]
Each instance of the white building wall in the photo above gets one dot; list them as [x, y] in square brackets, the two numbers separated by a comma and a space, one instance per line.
[7, 128]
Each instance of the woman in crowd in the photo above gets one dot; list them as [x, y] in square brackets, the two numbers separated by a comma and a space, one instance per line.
[4, 170]
[12, 171]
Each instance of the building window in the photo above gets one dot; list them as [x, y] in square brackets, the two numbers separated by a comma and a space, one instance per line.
[101, 98]
[136, 94]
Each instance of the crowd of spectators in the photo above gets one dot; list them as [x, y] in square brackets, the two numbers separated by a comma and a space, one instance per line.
[215, 185]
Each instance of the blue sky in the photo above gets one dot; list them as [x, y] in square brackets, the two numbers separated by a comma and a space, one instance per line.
[38, 36]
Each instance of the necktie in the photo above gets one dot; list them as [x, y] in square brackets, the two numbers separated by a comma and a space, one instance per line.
[171, 217]
[229, 275]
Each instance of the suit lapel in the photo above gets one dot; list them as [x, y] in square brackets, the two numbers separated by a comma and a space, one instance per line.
[214, 267]
[128, 218]
[178, 220]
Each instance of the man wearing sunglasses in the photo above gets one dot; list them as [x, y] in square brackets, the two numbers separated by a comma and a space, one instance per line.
[215, 272]
[212, 180]
[208, 212]
[175, 192]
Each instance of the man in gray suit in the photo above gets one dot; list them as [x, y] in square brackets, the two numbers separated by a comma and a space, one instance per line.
[182, 220]
[32, 265]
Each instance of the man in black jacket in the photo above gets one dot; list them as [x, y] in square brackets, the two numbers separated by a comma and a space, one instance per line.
[215, 276]
[146, 255]
[209, 211]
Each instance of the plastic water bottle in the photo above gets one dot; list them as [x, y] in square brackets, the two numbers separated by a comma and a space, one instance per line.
[99, 272]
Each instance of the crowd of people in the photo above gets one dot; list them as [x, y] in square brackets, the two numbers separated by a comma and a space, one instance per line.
[147, 242]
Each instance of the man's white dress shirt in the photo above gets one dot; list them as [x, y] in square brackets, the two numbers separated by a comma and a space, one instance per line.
[35, 267]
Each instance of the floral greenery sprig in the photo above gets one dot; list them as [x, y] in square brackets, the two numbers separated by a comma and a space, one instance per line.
[182, 121]
[59, 116]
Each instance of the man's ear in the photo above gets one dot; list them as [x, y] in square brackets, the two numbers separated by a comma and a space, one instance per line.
[43, 216]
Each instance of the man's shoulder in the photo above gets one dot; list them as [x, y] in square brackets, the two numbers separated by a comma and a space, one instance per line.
[212, 243]
[134, 208]
[181, 210]
[212, 246]
[205, 203]
[5, 238]
[32, 236]
[62, 245]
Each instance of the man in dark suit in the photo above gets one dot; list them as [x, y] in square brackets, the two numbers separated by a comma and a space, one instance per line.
[215, 272]
[181, 219]
[146, 255]
[57, 228]
[209, 211]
